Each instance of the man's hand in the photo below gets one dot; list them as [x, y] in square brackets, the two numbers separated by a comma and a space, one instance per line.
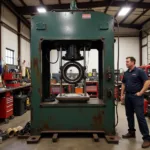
[122, 98]
[122, 92]
[139, 94]
[145, 87]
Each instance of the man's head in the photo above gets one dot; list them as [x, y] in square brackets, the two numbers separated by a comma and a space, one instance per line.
[130, 62]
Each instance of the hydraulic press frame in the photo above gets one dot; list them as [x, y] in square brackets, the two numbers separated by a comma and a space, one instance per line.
[51, 28]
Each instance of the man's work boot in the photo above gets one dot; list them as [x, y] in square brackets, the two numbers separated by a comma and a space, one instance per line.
[146, 144]
[129, 135]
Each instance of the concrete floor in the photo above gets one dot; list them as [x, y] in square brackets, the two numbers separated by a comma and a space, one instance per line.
[73, 143]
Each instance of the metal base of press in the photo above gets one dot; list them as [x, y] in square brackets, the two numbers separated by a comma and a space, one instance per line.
[33, 139]
[55, 135]
[25, 136]
[112, 139]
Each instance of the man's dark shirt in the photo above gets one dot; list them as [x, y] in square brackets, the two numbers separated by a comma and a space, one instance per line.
[134, 80]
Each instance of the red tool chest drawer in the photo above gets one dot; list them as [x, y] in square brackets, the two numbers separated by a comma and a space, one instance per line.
[6, 107]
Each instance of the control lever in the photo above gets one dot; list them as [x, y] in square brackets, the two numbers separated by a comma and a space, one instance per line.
[108, 74]
[109, 93]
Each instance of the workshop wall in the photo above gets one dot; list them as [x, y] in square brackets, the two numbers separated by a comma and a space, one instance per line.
[146, 44]
[129, 46]
[8, 17]
[126, 32]
[25, 45]
[146, 50]
[25, 52]
[24, 30]
[144, 56]
[9, 37]
[9, 40]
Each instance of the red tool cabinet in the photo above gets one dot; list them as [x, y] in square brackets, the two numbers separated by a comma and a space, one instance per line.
[9, 77]
[6, 107]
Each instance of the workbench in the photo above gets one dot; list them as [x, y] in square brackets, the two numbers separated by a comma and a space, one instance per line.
[4, 90]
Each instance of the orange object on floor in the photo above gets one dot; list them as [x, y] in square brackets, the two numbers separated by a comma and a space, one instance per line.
[79, 90]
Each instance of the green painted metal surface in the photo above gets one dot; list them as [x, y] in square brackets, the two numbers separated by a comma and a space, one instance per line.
[72, 26]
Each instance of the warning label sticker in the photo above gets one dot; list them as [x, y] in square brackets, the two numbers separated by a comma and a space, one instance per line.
[86, 16]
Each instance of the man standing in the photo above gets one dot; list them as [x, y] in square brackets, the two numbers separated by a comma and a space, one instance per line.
[135, 82]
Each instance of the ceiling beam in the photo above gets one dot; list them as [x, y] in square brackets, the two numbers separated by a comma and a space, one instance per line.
[109, 4]
[131, 11]
[134, 26]
[41, 2]
[146, 21]
[23, 3]
[144, 12]
[32, 9]
[13, 9]
[59, 1]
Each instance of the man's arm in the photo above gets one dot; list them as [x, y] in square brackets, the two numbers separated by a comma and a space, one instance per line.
[144, 79]
[122, 89]
[145, 87]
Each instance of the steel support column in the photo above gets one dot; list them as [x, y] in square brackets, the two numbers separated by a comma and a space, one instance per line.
[0, 31]
[19, 42]
[140, 45]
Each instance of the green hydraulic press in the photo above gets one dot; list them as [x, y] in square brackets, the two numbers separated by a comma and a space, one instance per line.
[72, 31]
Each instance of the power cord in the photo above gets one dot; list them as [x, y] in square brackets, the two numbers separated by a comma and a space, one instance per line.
[56, 59]
[116, 105]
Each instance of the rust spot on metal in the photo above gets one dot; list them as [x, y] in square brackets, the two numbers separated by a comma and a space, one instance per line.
[45, 126]
[31, 113]
[36, 67]
[40, 49]
[40, 45]
[98, 120]
[35, 62]
[40, 91]
[102, 39]
[38, 130]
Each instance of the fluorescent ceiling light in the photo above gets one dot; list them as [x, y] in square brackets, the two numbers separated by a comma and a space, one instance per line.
[41, 10]
[124, 11]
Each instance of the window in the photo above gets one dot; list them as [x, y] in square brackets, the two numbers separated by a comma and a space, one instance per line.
[9, 56]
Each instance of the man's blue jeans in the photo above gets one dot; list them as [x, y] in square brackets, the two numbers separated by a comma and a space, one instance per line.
[135, 104]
